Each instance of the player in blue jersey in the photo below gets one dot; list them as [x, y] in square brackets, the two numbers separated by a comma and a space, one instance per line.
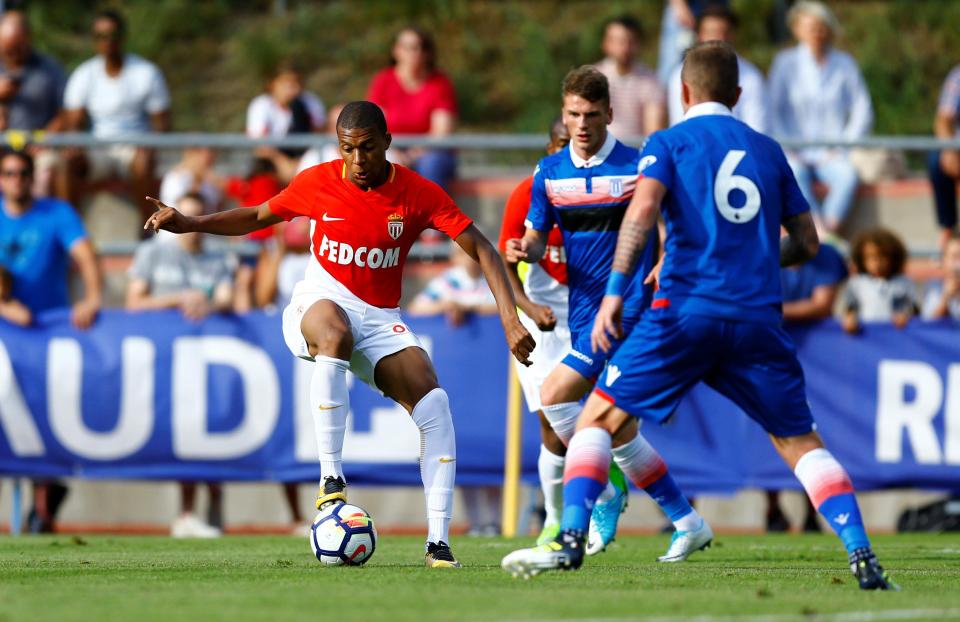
[585, 189]
[725, 191]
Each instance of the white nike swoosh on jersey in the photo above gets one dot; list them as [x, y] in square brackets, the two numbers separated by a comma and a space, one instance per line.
[330, 218]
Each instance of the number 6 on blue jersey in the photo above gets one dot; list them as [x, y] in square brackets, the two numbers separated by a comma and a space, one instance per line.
[726, 182]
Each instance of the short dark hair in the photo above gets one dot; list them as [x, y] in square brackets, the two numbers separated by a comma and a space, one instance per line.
[25, 158]
[887, 242]
[362, 115]
[587, 82]
[718, 11]
[711, 69]
[114, 16]
[629, 22]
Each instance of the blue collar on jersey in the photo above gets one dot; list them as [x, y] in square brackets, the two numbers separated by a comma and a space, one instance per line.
[706, 108]
[596, 159]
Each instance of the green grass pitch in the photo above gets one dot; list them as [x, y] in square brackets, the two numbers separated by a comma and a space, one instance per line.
[761, 578]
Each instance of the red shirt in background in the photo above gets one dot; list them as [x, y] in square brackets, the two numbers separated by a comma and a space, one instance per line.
[408, 112]
[252, 192]
[514, 226]
[362, 237]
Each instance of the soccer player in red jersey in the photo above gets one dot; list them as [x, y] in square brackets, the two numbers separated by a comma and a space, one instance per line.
[343, 315]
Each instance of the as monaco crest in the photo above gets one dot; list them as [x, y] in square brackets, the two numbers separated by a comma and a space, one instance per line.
[395, 226]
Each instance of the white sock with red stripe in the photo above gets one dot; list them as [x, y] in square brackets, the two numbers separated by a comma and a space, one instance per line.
[643, 466]
[438, 466]
[563, 419]
[831, 492]
[584, 477]
[330, 403]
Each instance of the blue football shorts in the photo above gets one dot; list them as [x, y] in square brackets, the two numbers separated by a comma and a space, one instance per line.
[581, 357]
[754, 364]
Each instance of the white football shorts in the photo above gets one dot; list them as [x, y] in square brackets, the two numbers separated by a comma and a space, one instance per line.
[377, 332]
[552, 346]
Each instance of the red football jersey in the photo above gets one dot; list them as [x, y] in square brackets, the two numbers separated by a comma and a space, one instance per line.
[554, 260]
[362, 237]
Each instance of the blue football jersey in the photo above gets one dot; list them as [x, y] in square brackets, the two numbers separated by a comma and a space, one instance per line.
[587, 199]
[728, 190]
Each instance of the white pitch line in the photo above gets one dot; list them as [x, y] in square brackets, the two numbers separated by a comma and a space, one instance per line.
[843, 616]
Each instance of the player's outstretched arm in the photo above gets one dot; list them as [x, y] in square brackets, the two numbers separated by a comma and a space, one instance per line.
[479, 247]
[639, 224]
[239, 221]
[801, 242]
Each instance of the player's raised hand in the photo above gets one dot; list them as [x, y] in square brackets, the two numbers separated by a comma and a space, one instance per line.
[520, 342]
[608, 323]
[516, 250]
[166, 218]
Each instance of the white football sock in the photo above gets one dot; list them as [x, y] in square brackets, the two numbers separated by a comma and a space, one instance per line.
[563, 419]
[330, 402]
[438, 466]
[550, 468]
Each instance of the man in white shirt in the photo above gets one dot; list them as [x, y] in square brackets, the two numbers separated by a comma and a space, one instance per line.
[818, 93]
[718, 23]
[119, 94]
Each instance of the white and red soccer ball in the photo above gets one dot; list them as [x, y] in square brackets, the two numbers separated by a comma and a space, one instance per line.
[343, 535]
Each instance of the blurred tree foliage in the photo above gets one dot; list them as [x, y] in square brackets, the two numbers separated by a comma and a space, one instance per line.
[506, 58]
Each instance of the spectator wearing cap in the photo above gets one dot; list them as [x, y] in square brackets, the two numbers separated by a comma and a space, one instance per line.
[719, 23]
[118, 93]
[818, 93]
[638, 100]
[417, 99]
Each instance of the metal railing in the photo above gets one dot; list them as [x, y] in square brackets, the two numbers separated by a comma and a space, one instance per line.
[481, 141]
[18, 139]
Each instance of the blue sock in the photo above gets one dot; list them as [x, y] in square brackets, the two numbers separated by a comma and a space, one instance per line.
[579, 496]
[843, 514]
[667, 494]
[585, 476]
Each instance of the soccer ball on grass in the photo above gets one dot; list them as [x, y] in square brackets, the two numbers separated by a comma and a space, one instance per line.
[343, 535]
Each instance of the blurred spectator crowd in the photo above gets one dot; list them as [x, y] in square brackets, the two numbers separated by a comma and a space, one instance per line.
[813, 91]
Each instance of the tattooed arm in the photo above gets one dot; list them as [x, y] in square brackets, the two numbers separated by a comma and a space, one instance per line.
[801, 242]
[638, 226]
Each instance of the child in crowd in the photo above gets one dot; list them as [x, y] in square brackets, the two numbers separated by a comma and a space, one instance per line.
[11, 309]
[879, 292]
[943, 299]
